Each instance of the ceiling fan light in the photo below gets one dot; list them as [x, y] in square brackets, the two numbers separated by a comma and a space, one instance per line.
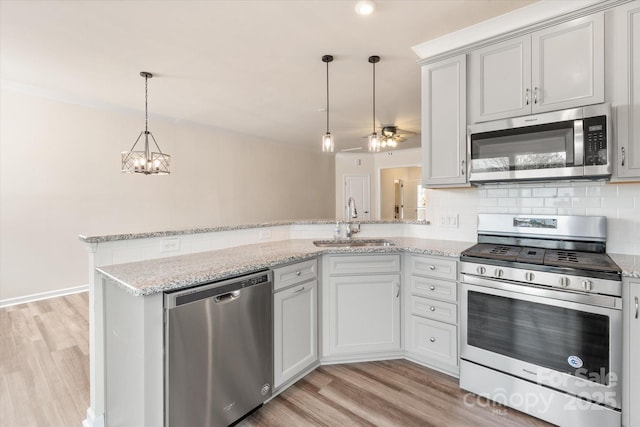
[327, 143]
[392, 143]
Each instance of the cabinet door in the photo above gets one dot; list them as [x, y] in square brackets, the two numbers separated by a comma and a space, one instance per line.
[364, 314]
[444, 123]
[500, 80]
[631, 341]
[435, 341]
[627, 94]
[294, 335]
[568, 64]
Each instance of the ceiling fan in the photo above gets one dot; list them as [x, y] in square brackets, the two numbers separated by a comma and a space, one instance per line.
[391, 135]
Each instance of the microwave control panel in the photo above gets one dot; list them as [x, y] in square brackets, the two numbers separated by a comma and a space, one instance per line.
[595, 141]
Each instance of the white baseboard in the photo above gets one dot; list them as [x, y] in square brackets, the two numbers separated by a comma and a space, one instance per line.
[43, 295]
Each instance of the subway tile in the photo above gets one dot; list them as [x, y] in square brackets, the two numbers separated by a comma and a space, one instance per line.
[557, 202]
[488, 201]
[532, 202]
[498, 192]
[544, 192]
[544, 211]
[572, 191]
[617, 202]
[585, 202]
[572, 211]
[519, 192]
[507, 202]
[520, 210]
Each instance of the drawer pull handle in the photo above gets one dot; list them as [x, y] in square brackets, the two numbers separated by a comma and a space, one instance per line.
[432, 339]
[298, 273]
[298, 290]
[432, 267]
[526, 97]
[432, 308]
[623, 155]
[398, 290]
[432, 288]
[636, 307]
[535, 95]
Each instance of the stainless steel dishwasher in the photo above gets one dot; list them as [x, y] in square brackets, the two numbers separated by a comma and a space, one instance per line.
[218, 351]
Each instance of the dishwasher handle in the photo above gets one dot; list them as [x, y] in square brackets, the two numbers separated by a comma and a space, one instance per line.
[227, 297]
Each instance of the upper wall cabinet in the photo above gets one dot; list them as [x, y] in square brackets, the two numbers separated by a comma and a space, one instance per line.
[626, 100]
[444, 123]
[551, 69]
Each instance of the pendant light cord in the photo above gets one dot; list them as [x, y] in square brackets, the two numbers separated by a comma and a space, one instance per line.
[374, 97]
[146, 110]
[327, 96]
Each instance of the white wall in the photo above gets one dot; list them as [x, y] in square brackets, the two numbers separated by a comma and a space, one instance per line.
[60, 177]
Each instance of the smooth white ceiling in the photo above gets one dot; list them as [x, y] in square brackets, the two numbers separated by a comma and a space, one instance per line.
[248, 66]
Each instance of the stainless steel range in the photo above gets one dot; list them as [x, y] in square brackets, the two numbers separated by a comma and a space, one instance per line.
[542, 318]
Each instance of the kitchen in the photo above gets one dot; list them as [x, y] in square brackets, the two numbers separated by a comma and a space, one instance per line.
[98, 196]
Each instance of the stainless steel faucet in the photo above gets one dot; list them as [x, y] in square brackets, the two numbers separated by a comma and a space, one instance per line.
[352, 214]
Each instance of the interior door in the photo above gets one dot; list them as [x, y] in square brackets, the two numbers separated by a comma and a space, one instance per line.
[358, 187]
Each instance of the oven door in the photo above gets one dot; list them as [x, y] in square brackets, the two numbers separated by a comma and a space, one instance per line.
[543, 337]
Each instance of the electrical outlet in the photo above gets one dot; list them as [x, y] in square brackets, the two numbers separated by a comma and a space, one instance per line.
[170, 245]
[448, 220]
[264, 234]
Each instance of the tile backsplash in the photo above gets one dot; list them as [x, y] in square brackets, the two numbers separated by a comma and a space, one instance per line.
[620, 203]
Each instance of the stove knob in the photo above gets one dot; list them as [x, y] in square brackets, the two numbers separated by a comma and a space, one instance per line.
[481, 269]
[564, 281]
[586, 285]
[499, 272]
[529, 276]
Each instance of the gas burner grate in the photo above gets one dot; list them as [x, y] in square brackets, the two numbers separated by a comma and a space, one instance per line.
[501, 250]
[567, 256]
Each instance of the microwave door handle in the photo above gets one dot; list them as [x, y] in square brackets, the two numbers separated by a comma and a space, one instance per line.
[578, 143]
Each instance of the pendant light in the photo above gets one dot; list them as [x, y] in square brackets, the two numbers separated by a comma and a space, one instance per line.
[145, 162]
[327, 139]
[374, 141]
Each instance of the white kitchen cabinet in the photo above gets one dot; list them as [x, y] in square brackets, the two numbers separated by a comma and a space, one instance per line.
[361, 310]
[626, 46]
[295, 324]
[551, 69]
[431, 332]
[631, 353]
[444, 118]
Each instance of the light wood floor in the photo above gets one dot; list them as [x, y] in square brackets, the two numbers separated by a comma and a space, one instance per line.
[44, 362]
[44, 371]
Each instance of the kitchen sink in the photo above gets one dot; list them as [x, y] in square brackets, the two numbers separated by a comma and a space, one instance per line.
[351, 243]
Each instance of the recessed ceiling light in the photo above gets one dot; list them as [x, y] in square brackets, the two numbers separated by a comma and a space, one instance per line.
[365, 7]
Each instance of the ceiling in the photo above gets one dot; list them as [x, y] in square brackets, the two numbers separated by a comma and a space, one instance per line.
[248, 66]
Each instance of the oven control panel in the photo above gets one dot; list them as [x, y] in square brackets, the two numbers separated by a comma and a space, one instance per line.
[542, 279]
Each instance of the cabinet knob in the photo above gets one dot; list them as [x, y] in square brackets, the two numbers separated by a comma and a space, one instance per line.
[297, 273]
[432, 267]
[432, 339]
[432, 308]
[432, 288]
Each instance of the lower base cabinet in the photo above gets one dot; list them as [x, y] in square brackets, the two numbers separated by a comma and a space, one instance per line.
[436, 341]
[295, 321]
[361, 303]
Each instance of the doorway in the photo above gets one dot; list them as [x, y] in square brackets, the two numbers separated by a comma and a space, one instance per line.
[358, 187]
[399, 190]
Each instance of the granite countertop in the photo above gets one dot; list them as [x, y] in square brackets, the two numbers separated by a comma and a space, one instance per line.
[630, 264]
[144, 235]
[164, 274]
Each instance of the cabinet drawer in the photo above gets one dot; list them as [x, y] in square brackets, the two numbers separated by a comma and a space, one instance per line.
[367, 264]
[433, 267]
[433, 288]
[433, 340]
[294, 273]
[434, 309]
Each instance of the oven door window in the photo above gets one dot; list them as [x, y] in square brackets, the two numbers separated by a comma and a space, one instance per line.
[565, 340]
[535, 147]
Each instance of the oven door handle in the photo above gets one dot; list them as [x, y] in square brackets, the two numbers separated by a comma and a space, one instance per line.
[521, 288]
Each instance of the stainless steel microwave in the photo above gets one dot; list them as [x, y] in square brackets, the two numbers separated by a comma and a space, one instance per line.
[567, 144]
